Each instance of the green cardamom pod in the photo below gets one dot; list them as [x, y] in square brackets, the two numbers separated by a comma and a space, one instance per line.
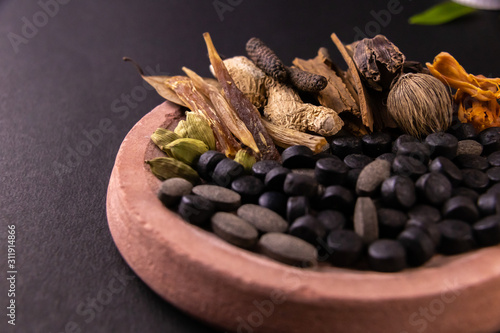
[168, 167]
[162, 137]
[246, 159]
[198, 128]
[186, 150]
[181, 129]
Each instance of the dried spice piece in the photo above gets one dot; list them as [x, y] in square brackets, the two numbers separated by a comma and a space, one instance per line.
[158, 83]
[198, 128]
[366, 112]
[336, 95]
[246, 159]
[285, 137]
[266, 59]
[181, 129]
[168, 167]
[285, 108]
[186, 150]
[245, 109]
[306, 81]
[379, 61]
[476, 95]
[420, 104]
[162, 137]
[225, 112]
[196, 102]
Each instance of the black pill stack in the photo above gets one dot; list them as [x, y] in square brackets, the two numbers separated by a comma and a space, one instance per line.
[379, 202]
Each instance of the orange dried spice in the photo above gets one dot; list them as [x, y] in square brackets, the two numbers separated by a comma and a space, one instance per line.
[476, 95]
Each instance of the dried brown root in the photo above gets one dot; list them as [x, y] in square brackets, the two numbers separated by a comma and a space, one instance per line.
[266, 59]
[336, 95]
[285, 137]
[248, 78]
[285, 108]
[306, 81]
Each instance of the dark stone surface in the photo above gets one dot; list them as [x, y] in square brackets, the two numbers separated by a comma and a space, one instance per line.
[68, 80]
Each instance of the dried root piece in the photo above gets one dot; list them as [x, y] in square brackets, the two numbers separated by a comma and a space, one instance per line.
[366, 112]
[251, 84]
[247, 112]
[285, 108]
[158, 83]
[336, 95]
[225, 112]
[197, 103]
[285, 137]
[266, 59]
[306, 81]
[379, 61]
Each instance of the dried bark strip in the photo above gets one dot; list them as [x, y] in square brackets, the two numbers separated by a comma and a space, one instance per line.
[196, 102]
[366, 112]
[225, 112]
[247, 112]
[335, 95]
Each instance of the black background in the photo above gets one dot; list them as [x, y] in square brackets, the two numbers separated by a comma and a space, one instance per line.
[68, 77]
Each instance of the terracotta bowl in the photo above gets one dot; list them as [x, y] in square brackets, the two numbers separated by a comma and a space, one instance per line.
[241, 291]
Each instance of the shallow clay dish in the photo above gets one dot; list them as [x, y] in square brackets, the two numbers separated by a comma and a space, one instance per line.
[241, 291]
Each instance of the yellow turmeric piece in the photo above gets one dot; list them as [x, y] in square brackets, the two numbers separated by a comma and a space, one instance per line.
[476, 95]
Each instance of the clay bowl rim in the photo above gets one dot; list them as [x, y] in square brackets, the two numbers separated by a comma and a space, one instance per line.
[136, 188]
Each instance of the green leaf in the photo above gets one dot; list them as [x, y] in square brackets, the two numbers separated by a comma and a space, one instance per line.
[441, 13]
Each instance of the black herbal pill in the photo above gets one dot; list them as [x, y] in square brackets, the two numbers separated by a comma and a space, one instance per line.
[487, 231]
[308, 228]
[276, 178]
[465, 192]
[489, 203]
[390, 222]
[386, 255]
[248, 187]
[355, 161]
[425, 212]
[297, 207]
[402, 139]
[275, 201]
[234, 230]
[330, 171]
[434, 188]
[331, 219]
[299, 184]
[460, 208]
[442, 144]
[389, 157]
[468, 161]
[337, 197]
[430, 228]
[376, 143]
[172, 189]
[207, 163]
[493, 174]
[344, 247]
[261, 168]
[408, 166]
[490, 139]
[398, 191]
[346, 145]
[222, 198]
[264, 219]
[416, 150]
[195, 209]
[418, 245]
[494, 159]
[297, 157]
[456, 237]
[226, 171]
[475, 179]
[448, 168]
[288, 249]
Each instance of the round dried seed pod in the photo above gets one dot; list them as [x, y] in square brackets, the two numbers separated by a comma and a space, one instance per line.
[420, 104]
